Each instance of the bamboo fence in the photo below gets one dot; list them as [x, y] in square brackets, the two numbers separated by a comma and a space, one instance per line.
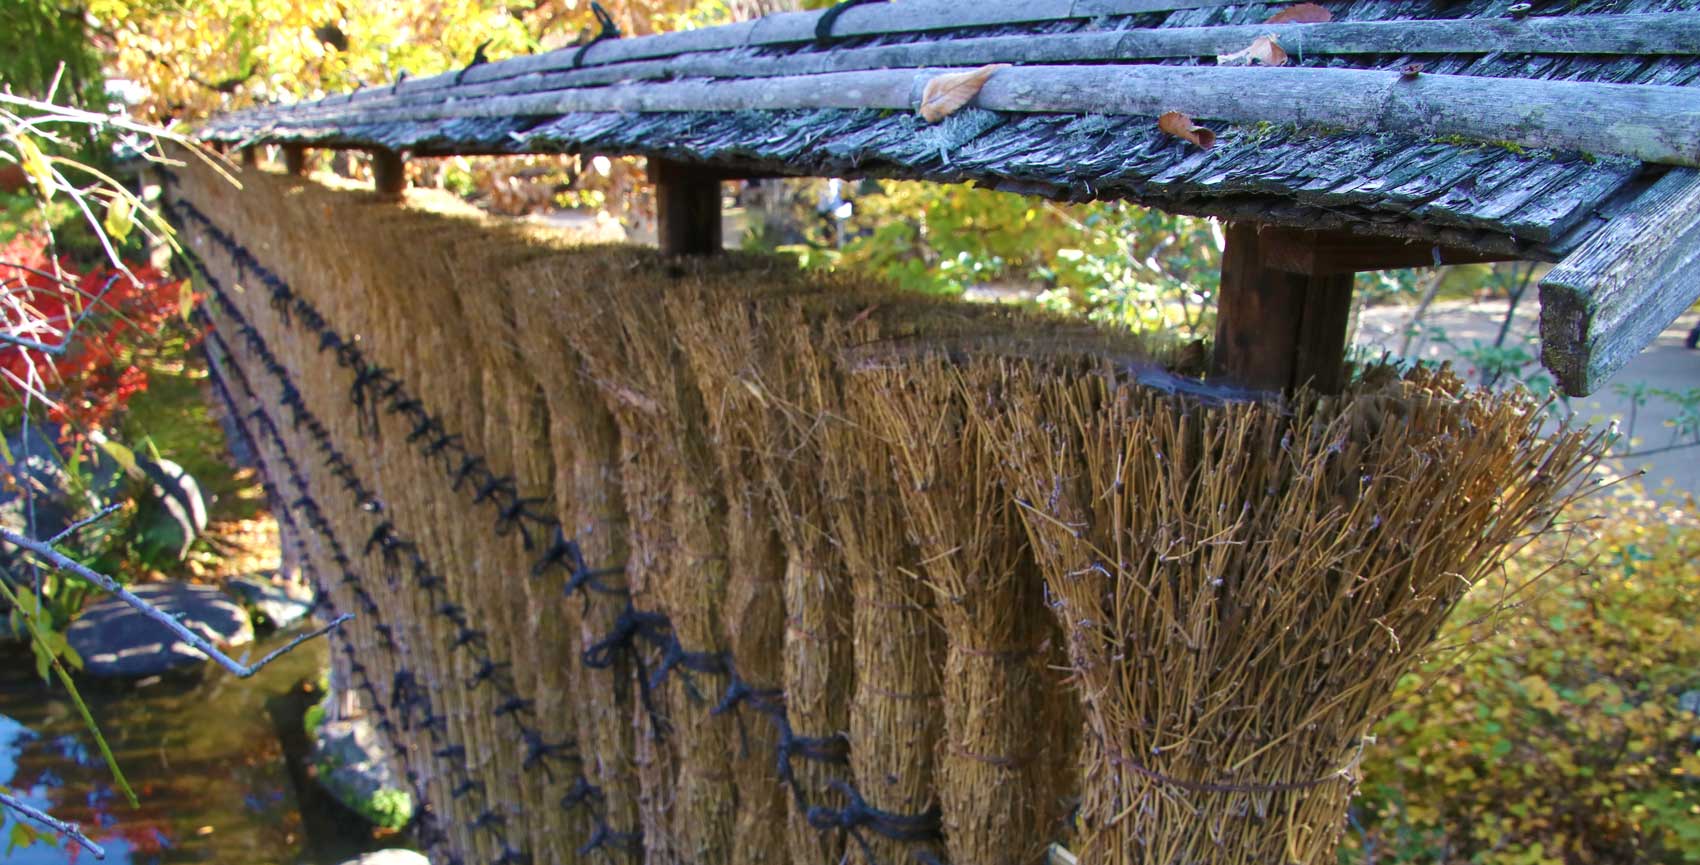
[718, 561]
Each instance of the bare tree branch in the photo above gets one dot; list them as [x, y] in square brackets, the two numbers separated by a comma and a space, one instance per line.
[46, 554]
[96, 301]
[69, 830]
[79, 525]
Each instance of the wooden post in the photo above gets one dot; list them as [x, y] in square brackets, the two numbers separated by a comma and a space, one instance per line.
[687, 208]
[389, 174]
[1275, 329]
[1286, 300]
[295, 160]
[251, 156]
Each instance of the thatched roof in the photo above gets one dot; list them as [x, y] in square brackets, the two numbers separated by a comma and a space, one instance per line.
[1558, 131]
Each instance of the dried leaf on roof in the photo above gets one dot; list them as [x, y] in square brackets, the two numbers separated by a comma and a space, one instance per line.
[1302, 13]
[1181, 126]
[1263, 51]
[952, 90]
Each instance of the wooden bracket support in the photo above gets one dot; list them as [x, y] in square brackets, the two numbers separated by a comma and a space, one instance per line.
[687, 208]
[295, 160]
[1277, 330]
[1285, 302]
[389, 174]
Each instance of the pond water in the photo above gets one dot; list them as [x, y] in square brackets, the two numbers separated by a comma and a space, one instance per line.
[216, 761]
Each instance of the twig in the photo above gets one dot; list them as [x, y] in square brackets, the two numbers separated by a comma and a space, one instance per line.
[69, 830]
[80, 524]
[64, 344]
[47, 554]
[281, 650]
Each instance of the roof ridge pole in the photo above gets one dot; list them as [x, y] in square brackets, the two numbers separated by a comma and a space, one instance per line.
[687, 208]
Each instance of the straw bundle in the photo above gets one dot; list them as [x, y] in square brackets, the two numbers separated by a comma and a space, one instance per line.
[590, 505]
[817, 671]
[517, 413]
[1242, 584]
[830, 483]
[997, 766]
[678, 564]
[895, 717]
[716, 321]
[422, 298]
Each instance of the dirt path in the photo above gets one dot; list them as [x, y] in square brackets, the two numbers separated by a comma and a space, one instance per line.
[1664, 365]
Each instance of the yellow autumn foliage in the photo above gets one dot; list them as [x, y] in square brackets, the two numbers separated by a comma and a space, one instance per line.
[1567, 728]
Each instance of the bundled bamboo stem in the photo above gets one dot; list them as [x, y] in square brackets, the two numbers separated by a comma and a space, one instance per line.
[716, 321]
[1243, 584]
[591, 508]
[997, 770]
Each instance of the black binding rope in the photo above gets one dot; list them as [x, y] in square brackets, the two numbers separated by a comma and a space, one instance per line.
[478, 59]
[823, 25]
[607, 30]
[632, 628]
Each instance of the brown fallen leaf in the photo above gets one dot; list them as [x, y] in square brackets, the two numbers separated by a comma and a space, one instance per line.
[1181, 126]
[952, 90]
[1263, 51]
[1301, 13]
[1411, 71]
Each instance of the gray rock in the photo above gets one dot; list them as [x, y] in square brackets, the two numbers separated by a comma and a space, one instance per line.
[354, 766]
[390, 857]
[280, 604]
[115, 639]
[1689, 701]
[171, 512]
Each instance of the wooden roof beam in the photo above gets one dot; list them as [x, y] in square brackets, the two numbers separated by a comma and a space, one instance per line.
[1285, 300]
[1618, 291]
[1673, 33]
[1325, 253]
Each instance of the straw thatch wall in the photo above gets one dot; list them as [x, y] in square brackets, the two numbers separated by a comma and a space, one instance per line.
[716, 561]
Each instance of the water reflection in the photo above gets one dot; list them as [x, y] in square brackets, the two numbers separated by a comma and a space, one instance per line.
[204, 755]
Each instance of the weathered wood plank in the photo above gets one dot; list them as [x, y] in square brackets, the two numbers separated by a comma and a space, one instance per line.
[1619, 290]
[1652, 123]
[1676, 33]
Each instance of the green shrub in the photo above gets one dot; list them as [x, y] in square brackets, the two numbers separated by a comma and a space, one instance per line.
[1567, 732]
[313, 720]
[388, 809]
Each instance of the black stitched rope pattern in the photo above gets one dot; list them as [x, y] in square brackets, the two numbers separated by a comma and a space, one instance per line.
[322, 527]
[375, 388]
